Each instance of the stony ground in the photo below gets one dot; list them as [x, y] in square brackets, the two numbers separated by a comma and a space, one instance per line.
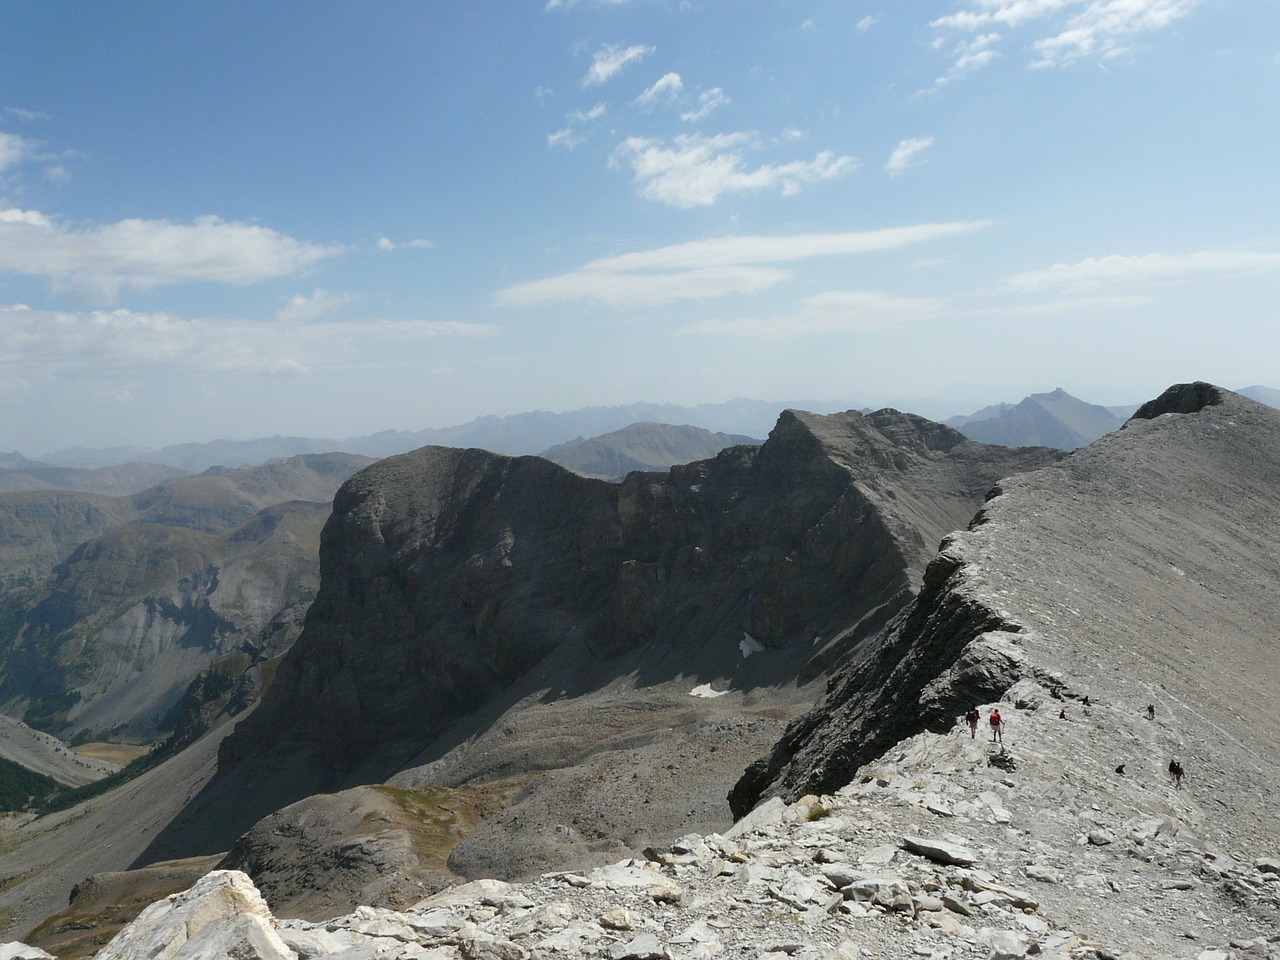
[950, 848]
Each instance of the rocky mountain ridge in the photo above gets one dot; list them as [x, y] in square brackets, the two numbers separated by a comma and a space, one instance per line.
[641, 446]
[500, 622]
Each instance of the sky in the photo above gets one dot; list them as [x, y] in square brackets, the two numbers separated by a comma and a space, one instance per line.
[234, 220]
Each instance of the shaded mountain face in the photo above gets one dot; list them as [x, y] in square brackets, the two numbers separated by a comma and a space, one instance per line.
[112, 606]
[641, 446]
[470, 598]
[1139, 571]
[1054, 419]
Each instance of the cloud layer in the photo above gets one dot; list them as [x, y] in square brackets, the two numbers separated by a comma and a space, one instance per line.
[95, 263]
[705, 269]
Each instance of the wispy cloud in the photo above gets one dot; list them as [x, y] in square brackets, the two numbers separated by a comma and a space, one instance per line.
[1116, 270]
[666, 89]
[969, 56]
[302, 307]
[575, 133]
[569, 4]
[13, 150]
[705, 269]
[28, 116]
[610, 59]
[836, 311]
[905, 152]
[94, 263]
[708, 100]
[386, 243]
[695, 171]
[866, 23]
[1069, 29]
[109, 342]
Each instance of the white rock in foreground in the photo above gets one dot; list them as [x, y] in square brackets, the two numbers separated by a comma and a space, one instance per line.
[223, 915]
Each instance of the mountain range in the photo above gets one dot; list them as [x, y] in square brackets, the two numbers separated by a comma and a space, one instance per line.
[509, 668]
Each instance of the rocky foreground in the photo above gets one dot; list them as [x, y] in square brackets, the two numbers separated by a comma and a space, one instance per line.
[939, 851]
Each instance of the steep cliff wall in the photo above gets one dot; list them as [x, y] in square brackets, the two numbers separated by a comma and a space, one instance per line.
[1140, 570]
[459, 583]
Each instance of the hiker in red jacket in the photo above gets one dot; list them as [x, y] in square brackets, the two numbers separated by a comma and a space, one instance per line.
[997, 726]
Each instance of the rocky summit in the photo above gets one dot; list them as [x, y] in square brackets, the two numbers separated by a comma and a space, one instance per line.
[498, 621]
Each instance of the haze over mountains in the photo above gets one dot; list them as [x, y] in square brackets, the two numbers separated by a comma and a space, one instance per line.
[581, 669]
[113, 605]
[1051, 419]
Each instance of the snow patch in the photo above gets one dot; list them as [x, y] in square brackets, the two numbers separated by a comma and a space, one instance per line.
[749, 645]
[707, 692]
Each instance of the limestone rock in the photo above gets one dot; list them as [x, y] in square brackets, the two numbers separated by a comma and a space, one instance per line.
[222, 915]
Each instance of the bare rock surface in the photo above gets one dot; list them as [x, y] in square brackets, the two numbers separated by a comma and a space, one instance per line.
[857, 874]
[500, 622]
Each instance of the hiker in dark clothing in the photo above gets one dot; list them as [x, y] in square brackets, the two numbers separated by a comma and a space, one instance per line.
[1151, 711]
[1177, 774]
[972, 718]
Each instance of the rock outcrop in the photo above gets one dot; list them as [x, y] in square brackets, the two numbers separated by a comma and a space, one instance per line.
[486, 619]
[1139, 571]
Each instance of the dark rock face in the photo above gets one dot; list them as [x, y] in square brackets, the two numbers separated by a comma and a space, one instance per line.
[1137, 571]
[448, 574]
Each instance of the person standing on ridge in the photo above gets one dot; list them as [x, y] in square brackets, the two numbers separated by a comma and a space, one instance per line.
[997, 727]
[972, 716]
[1151, 711]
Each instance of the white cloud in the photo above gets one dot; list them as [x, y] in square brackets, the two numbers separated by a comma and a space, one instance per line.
[905, 152]
[970, 56]
[837, 311]
[566, 138]
[13, 150]
[866, 23]
[610, 59]
[569, 4]
[96, 262]
[695, 171]
[1116, 270]
[27, 115]
[667, 88]
[108, 342]
[621, 288]
[704, 269]
[1070, 29]
[300, 307]
[708, 100]
[386, 243]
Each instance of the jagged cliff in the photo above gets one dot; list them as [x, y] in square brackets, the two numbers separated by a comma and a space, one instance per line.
[1138, 571]
[486, 619]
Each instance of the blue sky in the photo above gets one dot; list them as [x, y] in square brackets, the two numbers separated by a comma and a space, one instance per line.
[245, 219]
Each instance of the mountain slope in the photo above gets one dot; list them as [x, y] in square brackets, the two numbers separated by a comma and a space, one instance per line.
[128, 599]
[489, 620]
[1137, 571]
[641, 446]
[1054, 419]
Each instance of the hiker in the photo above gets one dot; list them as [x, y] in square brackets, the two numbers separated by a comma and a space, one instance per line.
[972, 717]
[997, 726]
[1173, 769]
[1177, 774]
[1151, 711]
